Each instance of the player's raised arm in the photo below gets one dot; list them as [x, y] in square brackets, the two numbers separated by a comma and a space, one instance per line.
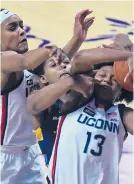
[81, 26]
[84, 59]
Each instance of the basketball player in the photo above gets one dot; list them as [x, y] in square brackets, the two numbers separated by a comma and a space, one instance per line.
[98, 120]
[20, 153]
[82, 61]
[20, 161]
[48, 131]
[91, 138]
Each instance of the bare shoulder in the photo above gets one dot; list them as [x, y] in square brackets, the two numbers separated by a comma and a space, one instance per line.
[128, 109]
[9, 63]
[5, 56]
[8, 53]
[128, 119]
[128, 112]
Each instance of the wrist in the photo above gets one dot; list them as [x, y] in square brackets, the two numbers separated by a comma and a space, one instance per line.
[68, 80]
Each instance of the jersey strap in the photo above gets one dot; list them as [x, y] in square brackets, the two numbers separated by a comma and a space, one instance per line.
[4, 117]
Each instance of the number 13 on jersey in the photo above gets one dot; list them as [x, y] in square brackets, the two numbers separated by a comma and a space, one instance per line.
[100, 141]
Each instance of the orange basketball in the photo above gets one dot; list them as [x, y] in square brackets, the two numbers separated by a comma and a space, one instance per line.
[120, 70]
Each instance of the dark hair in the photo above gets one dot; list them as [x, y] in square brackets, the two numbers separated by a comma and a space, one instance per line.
[39, 70]
[98, 66]
[126, 95]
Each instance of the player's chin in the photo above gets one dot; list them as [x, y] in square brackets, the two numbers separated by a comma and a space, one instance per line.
[22, 50]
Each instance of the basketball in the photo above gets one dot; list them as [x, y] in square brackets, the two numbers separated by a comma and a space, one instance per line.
[120, 70]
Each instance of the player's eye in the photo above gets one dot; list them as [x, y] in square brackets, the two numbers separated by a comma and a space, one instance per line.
[22, 26]
[13, 27]
[52, 64]
[102, 74]
[66, 62]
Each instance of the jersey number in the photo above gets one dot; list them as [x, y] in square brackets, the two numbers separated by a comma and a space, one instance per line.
[101, 140]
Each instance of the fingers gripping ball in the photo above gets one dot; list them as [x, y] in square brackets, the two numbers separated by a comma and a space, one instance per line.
[120, 70]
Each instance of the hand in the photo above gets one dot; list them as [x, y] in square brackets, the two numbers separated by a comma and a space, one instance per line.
[121, 42]
[82, 24]
[52, 58]
[59, 55]
[51, 47]
[83, 85]
[114, 45]
[64, 59]
[54, 51]
[131, 66]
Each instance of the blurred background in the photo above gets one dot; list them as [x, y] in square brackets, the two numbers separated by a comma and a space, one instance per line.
[52, 21]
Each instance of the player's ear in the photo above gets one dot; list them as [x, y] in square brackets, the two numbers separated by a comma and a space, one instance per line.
[43, 80]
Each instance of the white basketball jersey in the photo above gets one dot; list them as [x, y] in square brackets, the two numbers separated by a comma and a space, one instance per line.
[88, 146]
[16, 124]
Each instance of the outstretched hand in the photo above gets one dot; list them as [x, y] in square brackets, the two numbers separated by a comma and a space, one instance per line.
[121, 42]
[130, 66]
[82, 23]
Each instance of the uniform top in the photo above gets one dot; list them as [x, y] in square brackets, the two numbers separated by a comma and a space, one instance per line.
[88, 146]
[16, 124]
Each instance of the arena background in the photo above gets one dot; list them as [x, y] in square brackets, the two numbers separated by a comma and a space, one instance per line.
[51, 21]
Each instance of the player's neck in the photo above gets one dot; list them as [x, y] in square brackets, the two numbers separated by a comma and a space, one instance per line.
[104, 104]
[71, 102]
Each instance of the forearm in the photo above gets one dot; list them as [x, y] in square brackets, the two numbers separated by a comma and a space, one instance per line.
[84, 59]
[72, 47]
[35, 57]
[47, 96]
[13, 62]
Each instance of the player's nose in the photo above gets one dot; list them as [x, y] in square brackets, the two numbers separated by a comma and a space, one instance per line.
[108, 79]
[63, 65]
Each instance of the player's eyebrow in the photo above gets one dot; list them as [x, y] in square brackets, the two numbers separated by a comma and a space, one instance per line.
[14, 22]
[106, 72]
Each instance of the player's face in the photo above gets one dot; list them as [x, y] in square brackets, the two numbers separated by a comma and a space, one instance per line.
[13, 35]
[54, 71]
[111, 90]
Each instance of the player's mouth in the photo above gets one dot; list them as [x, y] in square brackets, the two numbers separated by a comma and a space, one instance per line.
[23, 41]
[65, 74]
[106, 86]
